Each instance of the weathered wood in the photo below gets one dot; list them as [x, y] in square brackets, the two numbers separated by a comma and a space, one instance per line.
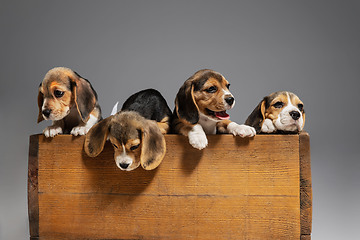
[305, 237]
[33, 200]
[305, 185]
[234, 189]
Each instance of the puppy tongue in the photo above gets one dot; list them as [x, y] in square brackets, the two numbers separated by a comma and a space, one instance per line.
[222, 115]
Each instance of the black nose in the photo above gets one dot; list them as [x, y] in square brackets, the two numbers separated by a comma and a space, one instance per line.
[230, 100]
[124, 165]
[295, 115]
[46, 112]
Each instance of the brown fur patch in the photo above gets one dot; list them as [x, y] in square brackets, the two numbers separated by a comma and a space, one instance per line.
[213, 101]
[271, 111]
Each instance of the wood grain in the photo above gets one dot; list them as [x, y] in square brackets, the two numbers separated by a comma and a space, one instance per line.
[33, 200]
[234, 189]
[305, 185]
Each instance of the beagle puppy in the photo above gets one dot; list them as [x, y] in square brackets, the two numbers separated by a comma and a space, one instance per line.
[279, 112]
[200, 109]
[136, 132]
[69, 101]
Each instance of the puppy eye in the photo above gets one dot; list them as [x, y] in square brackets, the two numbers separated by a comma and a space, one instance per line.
[300, 106]
[211, 89]
[58, 93]
[134, 147]
[278, 105]
[115, 146]
[228, 86]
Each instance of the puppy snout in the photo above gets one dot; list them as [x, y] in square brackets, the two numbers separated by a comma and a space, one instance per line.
[229, 100]
[124, 165]
[46, 112]
[295, 115]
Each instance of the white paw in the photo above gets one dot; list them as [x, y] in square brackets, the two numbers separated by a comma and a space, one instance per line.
[268, 126]
[197, 137]
[241, 130]
[79, 130]
[52, 131]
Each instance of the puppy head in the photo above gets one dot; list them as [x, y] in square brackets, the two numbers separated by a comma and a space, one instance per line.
[61, 90]
[284, 109]
[206, 93]
[135, 139]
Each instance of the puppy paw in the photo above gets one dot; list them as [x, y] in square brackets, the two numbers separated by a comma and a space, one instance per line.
[268, 126]
[241, 130]
[197, 137]
[79, 130]
[52, 131]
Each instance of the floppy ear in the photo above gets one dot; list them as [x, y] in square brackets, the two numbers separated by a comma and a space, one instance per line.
[96, 137]
[186, 108]
[85, 96]
[256, 118]
[153, 147]
[40, 103]
[303, 115]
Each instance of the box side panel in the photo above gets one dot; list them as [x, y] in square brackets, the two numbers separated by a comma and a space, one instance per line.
[33, 200]
[234, 189]
[305, 186]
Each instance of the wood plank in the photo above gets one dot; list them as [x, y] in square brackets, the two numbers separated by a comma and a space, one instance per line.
[305, 184]
[305, 237]
[33, 200]
[235, 188]
[168, 217]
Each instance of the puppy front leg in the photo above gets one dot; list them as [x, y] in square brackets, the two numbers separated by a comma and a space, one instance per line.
[164, 125]
[197, 137]
[83, 128]
[268, 126]
[195, 133]
[227, 126]
[55, 129]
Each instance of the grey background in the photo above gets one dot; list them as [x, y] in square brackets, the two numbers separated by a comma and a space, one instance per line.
[309, 47]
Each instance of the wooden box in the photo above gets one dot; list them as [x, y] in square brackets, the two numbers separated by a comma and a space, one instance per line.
[258, 188]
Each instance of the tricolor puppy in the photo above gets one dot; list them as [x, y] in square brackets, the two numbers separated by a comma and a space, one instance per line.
[69, 101]
[200, 109]
[280, 111]
[136, 132]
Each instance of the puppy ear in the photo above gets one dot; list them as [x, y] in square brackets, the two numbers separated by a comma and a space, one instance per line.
[85, 96]
[153, 147]
[40, 103]
[96, 137]
[303, 115]
[185, 106]
[256, 118]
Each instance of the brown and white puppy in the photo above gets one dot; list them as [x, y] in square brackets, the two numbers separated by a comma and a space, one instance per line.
[280, 111]
[200, 109]
[69, 101]
[136, 140]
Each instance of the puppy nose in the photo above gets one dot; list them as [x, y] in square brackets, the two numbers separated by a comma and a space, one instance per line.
[295, 115]
[46, 112]
[230, 100]
[124, 165]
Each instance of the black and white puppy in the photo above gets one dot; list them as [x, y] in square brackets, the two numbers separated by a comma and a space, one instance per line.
[279, 112]
[136, 132]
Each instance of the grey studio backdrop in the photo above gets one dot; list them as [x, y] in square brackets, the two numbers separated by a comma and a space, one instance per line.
[309, 47]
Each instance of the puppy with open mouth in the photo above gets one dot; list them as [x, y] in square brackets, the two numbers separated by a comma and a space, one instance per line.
[278, 112]
[200, 109]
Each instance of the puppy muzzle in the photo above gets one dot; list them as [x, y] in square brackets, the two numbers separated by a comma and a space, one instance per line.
[290, 121]
[124, 162]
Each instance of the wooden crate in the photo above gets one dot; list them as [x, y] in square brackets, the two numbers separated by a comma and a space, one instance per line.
[236, 188]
